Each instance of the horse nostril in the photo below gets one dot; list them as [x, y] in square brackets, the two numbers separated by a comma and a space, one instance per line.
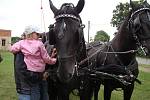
[60, 35]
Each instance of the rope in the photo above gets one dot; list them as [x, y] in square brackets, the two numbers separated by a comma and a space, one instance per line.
[42, 17]
[124, 52]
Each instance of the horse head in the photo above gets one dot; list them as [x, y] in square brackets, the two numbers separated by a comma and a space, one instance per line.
[139, 25]
[67, 36]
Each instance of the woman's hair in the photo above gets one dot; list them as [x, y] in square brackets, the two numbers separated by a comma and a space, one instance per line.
[28, 35]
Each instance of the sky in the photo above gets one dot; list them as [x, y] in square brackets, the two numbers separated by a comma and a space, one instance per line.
[15, 15]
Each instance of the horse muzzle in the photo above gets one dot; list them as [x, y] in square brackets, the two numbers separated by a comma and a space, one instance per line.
[66, 69]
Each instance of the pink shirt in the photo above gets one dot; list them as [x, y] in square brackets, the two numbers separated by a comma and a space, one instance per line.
[35, 54]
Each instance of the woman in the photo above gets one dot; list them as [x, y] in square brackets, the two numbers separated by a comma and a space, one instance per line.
[31, 69]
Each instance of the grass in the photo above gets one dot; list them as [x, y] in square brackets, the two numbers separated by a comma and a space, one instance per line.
[7, 84]
[8, 92]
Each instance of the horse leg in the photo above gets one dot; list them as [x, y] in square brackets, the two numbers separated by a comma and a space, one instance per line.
[52, 90]
[86, 91]
[107, 91]
[128, 90]
[63, 91]
[86, 94]
[62, 96]
[96, 90]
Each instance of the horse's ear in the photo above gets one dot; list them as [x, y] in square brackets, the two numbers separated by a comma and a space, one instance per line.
[146, 3]
[53, 8]
[79, 6]
[132, 4]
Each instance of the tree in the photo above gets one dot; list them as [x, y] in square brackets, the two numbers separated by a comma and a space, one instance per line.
[121, 11]
[14, 39]
[101, 36]
[119, 14]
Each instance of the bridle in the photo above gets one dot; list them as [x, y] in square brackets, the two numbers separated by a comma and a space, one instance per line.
[81, 26]
[67, 16]
[80, 45]
[135, 31]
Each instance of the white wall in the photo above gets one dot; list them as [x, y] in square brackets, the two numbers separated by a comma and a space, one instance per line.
[7, 45]
[143, 60]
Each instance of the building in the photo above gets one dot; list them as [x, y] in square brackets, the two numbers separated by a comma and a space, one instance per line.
[5, 39]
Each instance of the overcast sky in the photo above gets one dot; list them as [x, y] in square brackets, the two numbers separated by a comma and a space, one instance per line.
[16, 14]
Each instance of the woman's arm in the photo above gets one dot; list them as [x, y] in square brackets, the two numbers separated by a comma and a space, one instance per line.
[45, 55]
[15, 47]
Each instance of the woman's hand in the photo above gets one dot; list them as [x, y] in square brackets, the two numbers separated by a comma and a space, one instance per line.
[45, 75]
[54, 53]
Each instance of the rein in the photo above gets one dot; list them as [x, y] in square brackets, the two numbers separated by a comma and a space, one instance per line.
[100, 50]
[124, 79]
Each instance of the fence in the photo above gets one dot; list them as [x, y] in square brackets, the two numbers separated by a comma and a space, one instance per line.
[145, 61]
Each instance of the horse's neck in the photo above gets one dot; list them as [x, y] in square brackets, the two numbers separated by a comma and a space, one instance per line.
[82, 54]
[124, 42]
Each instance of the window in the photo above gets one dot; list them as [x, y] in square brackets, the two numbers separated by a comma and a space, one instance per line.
[3, 42]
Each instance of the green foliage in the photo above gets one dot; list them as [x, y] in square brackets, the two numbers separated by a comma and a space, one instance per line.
[140, 53]
[102, 36]
[119, 14]
[121, 11]
[14, 39]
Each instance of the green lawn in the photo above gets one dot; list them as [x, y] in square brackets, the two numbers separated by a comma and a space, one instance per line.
[7, 84]
[8, 92]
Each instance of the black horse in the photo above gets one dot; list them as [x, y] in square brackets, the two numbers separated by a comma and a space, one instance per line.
[66, 34]
[57, 89]
[118, 57]
[68, 38]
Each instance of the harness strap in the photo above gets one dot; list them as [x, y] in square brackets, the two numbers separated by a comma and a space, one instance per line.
[100, 50]
[145, 8]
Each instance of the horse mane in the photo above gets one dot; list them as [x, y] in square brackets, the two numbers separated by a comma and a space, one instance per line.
[124, 23]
